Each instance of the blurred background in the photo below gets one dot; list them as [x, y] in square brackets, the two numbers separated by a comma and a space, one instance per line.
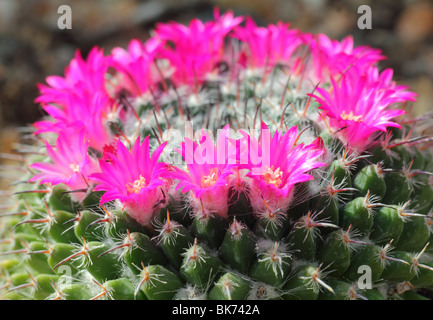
[33, 47]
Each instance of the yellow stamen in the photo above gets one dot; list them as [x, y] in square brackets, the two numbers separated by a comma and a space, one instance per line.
[273, 176]
[137, 185]
[210, 179]
[350, 116]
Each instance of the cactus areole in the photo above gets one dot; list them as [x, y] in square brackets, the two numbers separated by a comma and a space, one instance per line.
[222, 160]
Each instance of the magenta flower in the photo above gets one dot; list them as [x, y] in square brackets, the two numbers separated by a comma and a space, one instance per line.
[194, 51]
[268, 46]
[332, 57]
[92, 116]
[361, 105]
[135, 66]
[208, 166]
[276, 164]
[80, 99]
[135, 178]
[70, 163]
[384, 81]
[82, 79]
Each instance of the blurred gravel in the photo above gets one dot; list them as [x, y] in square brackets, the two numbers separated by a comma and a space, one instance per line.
[32, 46]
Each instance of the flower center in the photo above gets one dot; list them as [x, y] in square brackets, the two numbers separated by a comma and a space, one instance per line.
[350, 116]
[273, 176]
[74, 167]
[137, 185]
[210, 179]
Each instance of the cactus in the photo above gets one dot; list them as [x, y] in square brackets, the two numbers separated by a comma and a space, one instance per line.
[221, 160]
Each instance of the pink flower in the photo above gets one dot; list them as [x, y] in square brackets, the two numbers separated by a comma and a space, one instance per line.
[79, 99]
[361, 105]
[332, 57]
[384, 81]
[82, 79]
[276, 164]
[208, 168]
[194, 51]
[134, 178]
[268, 46]
[70, 163]
[135, 66]
[91, 116]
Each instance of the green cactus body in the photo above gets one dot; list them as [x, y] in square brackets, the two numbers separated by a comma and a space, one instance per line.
[304, 195]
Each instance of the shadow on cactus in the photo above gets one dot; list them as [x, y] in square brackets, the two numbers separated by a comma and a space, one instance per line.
[222, 160]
